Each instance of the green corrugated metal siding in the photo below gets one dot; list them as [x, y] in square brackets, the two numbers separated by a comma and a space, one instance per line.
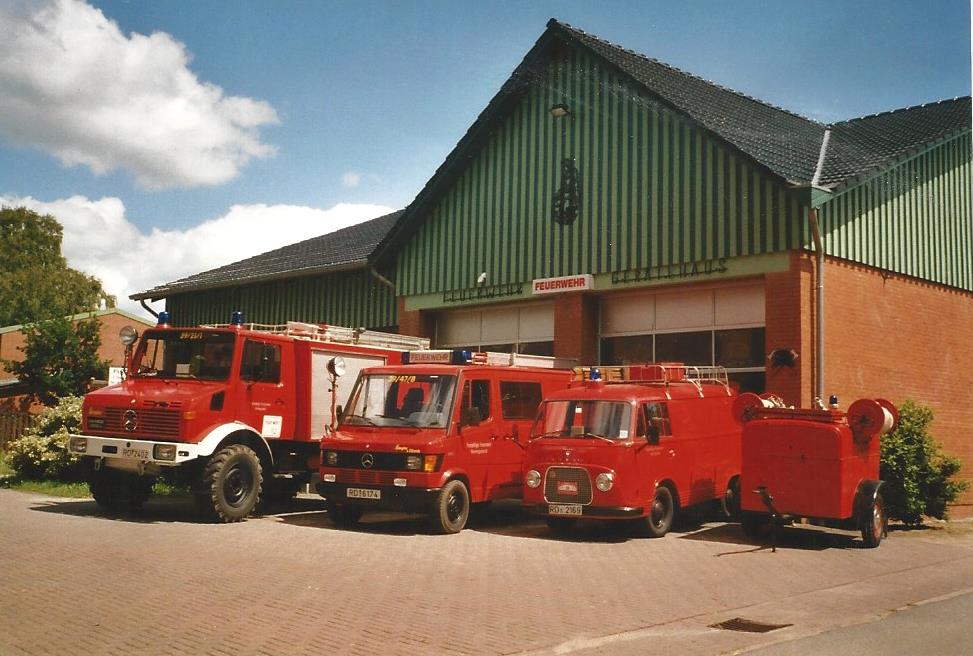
[655, 190]
[346, 299]
[914, 218]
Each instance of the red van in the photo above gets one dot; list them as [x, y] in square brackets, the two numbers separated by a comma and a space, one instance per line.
[435, 435]
[638, 444]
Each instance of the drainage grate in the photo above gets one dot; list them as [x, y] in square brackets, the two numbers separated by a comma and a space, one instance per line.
[748, 626]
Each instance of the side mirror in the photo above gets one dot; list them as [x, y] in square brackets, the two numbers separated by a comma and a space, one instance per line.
[470, 417]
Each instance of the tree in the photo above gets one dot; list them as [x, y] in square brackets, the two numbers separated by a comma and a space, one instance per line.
[919, 477]
[35, 281]
[60, 357]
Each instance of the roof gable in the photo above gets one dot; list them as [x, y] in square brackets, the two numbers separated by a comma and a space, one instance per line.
[348, 248]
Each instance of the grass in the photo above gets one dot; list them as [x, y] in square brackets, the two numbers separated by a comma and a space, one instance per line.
[69, 489]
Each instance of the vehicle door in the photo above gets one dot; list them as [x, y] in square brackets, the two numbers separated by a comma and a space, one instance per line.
[658, 459]
[478, 432]
[519, 400]
[263, 395]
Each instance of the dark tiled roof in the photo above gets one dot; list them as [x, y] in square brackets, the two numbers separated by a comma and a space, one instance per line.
[342, 249]
[862, 145]
[782, 141]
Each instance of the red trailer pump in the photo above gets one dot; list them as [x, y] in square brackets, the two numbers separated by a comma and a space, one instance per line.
[636, 442]
[819, 464]
[237, 411]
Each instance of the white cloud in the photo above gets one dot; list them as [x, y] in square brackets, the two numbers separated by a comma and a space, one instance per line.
[351, 179]
[100, 240]
[73, 84]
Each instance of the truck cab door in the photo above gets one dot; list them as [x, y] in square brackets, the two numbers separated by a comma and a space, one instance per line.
[655, 460]
[264, 402]
[477, 433]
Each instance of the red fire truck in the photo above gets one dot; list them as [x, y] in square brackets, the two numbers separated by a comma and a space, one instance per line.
[819, 464]
[235, 410]
[639, 443]
[434, 435]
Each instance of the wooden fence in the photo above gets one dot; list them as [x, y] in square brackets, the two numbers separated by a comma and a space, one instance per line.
[12, 424]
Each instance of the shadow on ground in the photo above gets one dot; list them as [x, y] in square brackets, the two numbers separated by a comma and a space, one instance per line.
[803, 537]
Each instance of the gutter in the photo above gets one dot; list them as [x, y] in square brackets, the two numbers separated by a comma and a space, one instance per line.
[382, 279]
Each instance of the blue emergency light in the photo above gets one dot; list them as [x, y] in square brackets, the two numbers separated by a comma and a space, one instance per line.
[236, 319]
[164, 318]
[595, 374]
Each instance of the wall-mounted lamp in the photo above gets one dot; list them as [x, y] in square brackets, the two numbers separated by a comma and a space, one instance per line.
[559, 110]
[481, 279]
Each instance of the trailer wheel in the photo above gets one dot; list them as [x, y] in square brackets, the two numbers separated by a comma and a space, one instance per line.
[659, 520]
[873, 523]
[343, 515]
[752, 523]
[231, 484]
[560, 525]
[452, 508]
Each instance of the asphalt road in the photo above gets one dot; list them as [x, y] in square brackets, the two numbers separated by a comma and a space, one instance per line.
[75, 581]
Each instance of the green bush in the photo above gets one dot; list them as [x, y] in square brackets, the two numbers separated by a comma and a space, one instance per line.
[919, 477]
[42, 453]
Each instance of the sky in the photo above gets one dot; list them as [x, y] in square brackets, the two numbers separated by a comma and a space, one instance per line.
[176, 136]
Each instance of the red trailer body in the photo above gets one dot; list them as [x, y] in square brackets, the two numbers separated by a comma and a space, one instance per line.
[434, 437]
[646, 442]
[818, 464]
[236, 410]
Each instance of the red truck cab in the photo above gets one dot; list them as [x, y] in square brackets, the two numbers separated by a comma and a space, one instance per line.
[649, 440]
[434, 435]
[235, 410]
[820, 464]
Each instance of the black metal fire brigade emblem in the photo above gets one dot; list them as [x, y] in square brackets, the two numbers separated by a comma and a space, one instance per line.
[567, 199]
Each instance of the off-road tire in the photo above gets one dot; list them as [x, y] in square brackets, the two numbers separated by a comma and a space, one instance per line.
[343, 514]
[230, 485]
[452, 508]
[873, 523]
[662, 509]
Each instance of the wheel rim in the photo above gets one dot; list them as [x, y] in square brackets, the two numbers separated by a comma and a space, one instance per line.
[659, 512]
[878, 519]
[454, 507]
[237, 484]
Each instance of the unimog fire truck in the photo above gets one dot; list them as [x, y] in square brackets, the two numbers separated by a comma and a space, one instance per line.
[820, 464]
[636, 443]
[434, 435]
[235, 410]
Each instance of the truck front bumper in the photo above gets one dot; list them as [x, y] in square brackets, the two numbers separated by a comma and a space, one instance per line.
[588, 512]
[409, 499]
[132, 454]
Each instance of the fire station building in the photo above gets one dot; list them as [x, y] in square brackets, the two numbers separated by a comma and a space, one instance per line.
[606, 207]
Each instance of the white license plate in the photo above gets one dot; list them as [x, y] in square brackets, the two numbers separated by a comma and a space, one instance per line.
[141, 454]
[564, 508]
[361, 493]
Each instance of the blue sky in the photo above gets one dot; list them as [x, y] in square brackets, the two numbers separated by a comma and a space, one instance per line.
[348, 108]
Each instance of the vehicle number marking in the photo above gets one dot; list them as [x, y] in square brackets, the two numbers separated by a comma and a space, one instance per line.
[564, 508]
[361, 493]
[141, 454]
[186, 334]
[402, 379]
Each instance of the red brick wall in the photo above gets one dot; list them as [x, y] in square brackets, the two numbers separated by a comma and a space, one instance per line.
[789, 309]
[576, 327]
[895, 337]
[415, 322]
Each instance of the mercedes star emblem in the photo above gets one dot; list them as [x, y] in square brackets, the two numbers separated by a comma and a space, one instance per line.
[367, 460]
[131, 420]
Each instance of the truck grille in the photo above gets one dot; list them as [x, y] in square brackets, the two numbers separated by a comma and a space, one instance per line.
[149, 422]
[364, 477]
[379, 460]
[567, 485]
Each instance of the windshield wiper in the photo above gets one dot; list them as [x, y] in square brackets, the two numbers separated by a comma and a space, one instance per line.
[555, 433]
[365, 420]
[600, 437]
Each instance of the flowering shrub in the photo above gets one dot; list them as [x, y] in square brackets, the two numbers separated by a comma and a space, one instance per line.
[42, 450]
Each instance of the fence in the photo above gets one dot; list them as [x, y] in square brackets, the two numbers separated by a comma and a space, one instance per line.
[12, 425]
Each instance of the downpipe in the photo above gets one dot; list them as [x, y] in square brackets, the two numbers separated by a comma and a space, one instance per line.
[819, 304]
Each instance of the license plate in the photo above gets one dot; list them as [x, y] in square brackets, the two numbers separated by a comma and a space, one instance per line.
[141, 454]
[564, 508]
[361, 493]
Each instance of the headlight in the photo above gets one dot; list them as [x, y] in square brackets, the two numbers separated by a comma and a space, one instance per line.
[604, 481]
[413, 462]
[533, 478]
[331, 458]
[79, 444]
[164, 452]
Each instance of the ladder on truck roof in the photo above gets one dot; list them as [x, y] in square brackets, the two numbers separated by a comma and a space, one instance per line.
[663, 373]
[336, 334]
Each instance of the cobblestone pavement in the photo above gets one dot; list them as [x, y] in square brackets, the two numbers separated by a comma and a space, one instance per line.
[75, 581]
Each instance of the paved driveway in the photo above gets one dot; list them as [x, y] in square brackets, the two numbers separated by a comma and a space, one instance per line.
[75, 581]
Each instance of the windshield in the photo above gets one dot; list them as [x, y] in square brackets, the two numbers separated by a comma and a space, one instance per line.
[606, 419]
[194, 354]
[401, 399]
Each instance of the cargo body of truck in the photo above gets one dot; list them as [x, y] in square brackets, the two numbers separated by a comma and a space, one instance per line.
[435, 435]
[638, 444]
[818, 464]
[236, 411]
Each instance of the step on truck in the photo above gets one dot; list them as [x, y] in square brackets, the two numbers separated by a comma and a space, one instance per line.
[636, 443]
[434, 435]
[818, 464]
[235, 410]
